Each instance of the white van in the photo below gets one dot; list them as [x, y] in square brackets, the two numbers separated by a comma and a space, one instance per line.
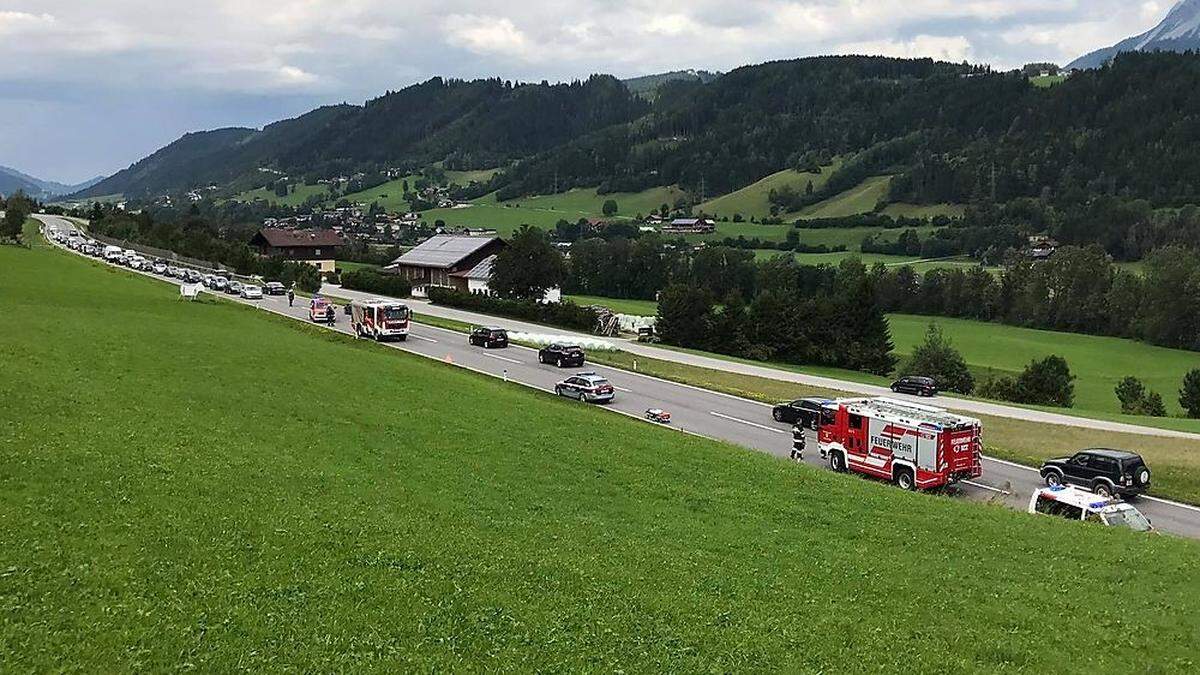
[1072, 503]
[111, 253]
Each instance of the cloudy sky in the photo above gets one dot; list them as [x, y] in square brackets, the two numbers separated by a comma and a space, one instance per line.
[88, 87]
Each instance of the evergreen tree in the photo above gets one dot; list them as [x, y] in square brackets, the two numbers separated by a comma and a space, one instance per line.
[684, 316]
[1189, 394]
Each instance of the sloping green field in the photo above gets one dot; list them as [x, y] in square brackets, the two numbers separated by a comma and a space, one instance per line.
[199, 486]
[297, 194]
[753, 200]
[859, 199]
[1098, 362]
[389, 195]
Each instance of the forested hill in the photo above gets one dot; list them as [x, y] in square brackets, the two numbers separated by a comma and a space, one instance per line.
[948, 132]
[480, 123]
[953, 134]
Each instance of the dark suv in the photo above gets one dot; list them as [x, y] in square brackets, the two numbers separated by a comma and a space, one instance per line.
[1105, 472]
[806, 411]
[910, 384]
[488, 337]
[563, 356]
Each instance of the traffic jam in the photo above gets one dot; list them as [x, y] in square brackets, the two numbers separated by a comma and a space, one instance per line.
[914, 446]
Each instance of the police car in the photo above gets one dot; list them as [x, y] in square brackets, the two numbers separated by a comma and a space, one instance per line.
[1072, 503]
[587, 387]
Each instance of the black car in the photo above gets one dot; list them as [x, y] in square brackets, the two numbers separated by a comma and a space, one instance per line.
[561, 355]
[920, 386]
[488, 337]
[1105, 472]
[806, 411]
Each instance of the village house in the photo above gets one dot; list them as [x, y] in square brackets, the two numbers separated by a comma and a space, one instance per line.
[690, 226]
[446, 261]
[318, 248]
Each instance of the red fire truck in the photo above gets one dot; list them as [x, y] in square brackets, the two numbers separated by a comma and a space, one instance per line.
[918, 447]
[380, 319]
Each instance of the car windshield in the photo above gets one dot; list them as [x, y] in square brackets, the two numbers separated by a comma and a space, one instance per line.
[1127, 517]
[395, 313]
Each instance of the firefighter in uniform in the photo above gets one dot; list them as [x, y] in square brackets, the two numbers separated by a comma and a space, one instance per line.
[798, 442]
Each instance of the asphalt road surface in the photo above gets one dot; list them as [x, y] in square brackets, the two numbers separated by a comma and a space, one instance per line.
[694, 410]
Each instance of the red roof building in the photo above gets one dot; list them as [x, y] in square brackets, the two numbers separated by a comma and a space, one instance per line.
[316, 247]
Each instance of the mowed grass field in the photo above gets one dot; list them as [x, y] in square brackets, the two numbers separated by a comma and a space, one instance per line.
[298, 193]
[1098, 362]
[753, 200]
[860, 199]
[389, 195]
[544, 211]
[304, 502]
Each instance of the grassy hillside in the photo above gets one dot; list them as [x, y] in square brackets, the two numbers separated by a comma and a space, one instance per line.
[752, 200]
[465, 178]
[898, 210]
[390, 195]
[230, 510]
[1099, 362]
[297, 194]
[545, 211]
[859, 199]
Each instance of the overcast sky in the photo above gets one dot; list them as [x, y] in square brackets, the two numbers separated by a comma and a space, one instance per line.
[89, 87]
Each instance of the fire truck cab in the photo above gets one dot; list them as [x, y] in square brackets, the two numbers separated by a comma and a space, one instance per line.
[380, 319]
[915, 446]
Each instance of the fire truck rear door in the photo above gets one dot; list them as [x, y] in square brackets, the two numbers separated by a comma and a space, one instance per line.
[927, 450]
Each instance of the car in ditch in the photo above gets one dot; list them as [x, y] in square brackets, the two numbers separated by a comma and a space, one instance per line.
[658, 416]
[1104, 471]
[488, 337]
[562, 355]
[1072, 503]
[918, 386]
[805, 411]
[587, 387]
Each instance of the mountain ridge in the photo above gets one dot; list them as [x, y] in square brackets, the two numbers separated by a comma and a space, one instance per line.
[13, 180]
[1179, 31]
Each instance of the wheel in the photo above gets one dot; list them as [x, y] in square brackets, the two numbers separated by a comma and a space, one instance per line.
[582, 397]
[1053, 479]
[895, 389]
[836, 462]
[560, 362]
[402, 338]
[1102, 489]
[905, 480]
[778, 415]
[558, 391]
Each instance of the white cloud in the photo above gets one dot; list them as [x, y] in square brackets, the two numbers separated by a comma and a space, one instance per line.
[941, 48]
[486, 35]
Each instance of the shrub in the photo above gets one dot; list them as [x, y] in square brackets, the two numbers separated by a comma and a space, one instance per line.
[374, 282]
[1189, 394]
[1045, 382]
[564, 314]
[1137, 400]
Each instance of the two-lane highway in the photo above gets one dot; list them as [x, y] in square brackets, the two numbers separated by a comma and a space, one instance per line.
[694, 410]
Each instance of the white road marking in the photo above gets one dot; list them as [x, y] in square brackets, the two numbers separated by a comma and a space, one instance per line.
[421, 337]
[627, 391]
[742, 421]
[1168, 502]
[501, 358]
[981, 486]
[1014, 465]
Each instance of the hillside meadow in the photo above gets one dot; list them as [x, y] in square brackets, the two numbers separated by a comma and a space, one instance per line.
[201, 486]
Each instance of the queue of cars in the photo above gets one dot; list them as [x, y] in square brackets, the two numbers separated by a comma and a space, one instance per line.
[136, 261]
